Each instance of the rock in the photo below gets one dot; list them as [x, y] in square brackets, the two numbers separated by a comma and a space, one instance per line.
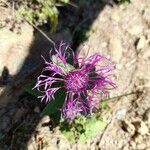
[37, 109]
[143, 129]
[45, 119]
[22, 58]
[120, 114]
[135, 30]
[141, 43]
[43, 124]
[14, 48]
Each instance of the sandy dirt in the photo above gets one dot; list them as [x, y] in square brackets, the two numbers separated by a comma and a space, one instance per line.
[120, 31]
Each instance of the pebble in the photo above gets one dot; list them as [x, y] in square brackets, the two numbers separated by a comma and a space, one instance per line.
[143, 129]
[37, 109]
[43, 124]
[141, 43]
[120, 113]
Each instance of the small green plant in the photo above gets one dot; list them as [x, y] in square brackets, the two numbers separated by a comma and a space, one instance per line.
[83, 128]
[40, 11]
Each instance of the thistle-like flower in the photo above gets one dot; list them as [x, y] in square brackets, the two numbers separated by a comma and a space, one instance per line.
[82, 79]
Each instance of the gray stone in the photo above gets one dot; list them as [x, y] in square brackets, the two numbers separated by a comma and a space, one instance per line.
[45, 119]
[121, 113]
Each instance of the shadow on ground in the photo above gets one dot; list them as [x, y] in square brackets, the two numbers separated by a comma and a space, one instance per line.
[15, 134]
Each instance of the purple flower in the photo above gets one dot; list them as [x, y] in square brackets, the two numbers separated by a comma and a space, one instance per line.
[83, 80]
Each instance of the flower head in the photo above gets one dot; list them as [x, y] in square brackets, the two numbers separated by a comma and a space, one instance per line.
[82, 79]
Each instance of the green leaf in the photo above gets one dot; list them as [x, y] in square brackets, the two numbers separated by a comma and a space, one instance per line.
[56, 117]
[29, 89]
[83, 138]
[55, 105]
[68, 67]
[104, 105]
[84, 128]
[53, 15]
[92, 126]
[69, 135]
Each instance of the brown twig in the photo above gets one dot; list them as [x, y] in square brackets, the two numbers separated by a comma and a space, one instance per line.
[44, 34]
[120, 96]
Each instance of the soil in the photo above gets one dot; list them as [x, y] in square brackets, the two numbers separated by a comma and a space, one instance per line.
[120, 31]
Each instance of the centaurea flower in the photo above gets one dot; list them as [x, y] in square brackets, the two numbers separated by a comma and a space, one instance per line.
[83, 80]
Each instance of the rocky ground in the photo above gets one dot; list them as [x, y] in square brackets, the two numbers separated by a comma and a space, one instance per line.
[121, 31]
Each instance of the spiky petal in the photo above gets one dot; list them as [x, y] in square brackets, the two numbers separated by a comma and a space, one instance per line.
[82, 82]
